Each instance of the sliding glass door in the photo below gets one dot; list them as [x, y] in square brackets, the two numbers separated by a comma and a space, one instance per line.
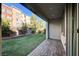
[72, 24]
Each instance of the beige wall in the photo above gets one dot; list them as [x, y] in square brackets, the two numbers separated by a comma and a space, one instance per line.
[54, 29]
[13, 25]
[63, 36]
[57, 30]
[63, 30]
[28, 20]
[16, 15]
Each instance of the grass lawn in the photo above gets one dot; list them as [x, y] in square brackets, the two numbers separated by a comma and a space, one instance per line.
[21, 46]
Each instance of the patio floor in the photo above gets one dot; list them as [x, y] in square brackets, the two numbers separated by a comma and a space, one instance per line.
[49, 48]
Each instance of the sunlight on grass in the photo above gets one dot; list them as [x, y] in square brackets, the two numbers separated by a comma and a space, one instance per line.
[22, 45]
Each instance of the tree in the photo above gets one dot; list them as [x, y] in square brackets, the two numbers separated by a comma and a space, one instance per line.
[37, 25]
[40, 26]
[33, 22]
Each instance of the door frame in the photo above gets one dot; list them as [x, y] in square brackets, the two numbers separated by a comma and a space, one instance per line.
[72, 37]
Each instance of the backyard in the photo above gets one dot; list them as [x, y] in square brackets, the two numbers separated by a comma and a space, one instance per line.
[21, 46]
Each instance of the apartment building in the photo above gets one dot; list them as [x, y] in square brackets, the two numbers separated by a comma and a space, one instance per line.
[28, 20]
[15, 16]
[7, 13]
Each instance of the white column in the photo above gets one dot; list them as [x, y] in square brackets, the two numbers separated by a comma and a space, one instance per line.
[46, 30]
[77, 28]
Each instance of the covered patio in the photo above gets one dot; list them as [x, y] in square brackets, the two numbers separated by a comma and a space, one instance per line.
[62, 25]
[53, 14]
[49, 48]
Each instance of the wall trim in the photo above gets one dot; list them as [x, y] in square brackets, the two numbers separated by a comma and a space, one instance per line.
[54, 39]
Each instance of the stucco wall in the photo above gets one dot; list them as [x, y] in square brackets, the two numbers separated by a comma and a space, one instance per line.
[57, 30]
[54, 29]
[63, 30]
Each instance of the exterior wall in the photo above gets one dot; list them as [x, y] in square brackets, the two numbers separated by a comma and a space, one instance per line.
[57, 30]
[63, 30]
[54, 29]
[6, 13]
[23, 17]
[18, 18]
[63, 36]
[13, 26]
[28, 21]
[15, 16]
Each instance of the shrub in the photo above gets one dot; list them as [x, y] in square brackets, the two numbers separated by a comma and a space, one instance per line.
[33, 30]
[5, 31]
[39, 31]
[23, 30]
[5, 27]
[44, 31]
[12, 33]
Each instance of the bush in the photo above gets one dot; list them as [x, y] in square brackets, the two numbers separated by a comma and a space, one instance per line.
[23, 29]
[5, 27]
[44, 31]
[39, 31]
[5, 31]
[12, 33]
[33, 30]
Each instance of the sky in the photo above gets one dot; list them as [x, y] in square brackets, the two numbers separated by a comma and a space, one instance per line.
[22, 8]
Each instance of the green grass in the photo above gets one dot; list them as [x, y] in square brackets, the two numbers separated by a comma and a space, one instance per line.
[21, 46]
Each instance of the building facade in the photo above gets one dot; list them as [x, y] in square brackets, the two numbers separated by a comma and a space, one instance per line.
[15, 16]
[7, 13]
[28, 20]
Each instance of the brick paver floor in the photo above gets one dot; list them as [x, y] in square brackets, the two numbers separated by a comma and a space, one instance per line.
[49, 48]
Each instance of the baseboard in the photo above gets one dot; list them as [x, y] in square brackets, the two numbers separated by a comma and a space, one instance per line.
[54, 39]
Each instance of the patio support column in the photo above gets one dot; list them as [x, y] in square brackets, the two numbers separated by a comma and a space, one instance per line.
[47, 30]
[69, 29]
[77, 50]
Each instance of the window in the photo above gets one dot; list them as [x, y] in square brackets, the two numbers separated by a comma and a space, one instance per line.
[3, 10]
[17, 14]
[10, 18]
[9, 11]
[17, 19]
[2, 16]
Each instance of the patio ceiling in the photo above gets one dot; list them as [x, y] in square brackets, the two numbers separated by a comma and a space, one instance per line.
[48, 11]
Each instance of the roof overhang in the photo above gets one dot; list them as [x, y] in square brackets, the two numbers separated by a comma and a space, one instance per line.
[47, 11]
